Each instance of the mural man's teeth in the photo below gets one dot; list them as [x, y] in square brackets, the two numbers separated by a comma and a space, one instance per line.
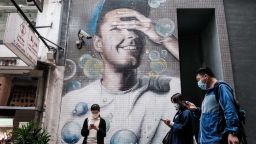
[129, 48]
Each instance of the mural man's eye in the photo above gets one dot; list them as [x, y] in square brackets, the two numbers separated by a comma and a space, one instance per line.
[128, 18]
[115, 29]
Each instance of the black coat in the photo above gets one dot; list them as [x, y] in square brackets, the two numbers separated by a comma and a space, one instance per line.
[101, 133]
[182, 130]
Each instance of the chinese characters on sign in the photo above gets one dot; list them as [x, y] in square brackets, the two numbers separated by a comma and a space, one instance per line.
[21, 40]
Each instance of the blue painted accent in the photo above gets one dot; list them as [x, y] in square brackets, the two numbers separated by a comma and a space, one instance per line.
[92, 23]
[70, 132]
[124, 137]
[80, 109]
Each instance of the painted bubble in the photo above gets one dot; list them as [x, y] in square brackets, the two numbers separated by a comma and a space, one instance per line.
[83, 59]
[153, 3]
[154, 55]
[70, 132]
[93, 68]
[70, 69]
[80, 109]
[164, 53]
[158, 66]
[124, 137]
[72, 85]
[165, 27]
[162, 1]
[153, 74]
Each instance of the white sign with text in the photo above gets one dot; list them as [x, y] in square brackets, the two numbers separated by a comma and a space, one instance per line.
[21, 40]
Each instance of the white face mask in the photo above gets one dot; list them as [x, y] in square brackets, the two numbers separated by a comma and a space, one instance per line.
[95, 115]
[177, 106]
[202, 85]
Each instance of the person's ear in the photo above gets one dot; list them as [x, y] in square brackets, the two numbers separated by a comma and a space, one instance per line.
[206, 76]
[97, 43]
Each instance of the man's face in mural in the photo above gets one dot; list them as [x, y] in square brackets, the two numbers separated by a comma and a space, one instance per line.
[120, 48]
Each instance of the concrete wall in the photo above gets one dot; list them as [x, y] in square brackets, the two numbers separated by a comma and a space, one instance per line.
[50, 14]
[241, 24]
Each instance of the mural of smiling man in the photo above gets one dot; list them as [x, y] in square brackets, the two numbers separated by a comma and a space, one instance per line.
[131, 104]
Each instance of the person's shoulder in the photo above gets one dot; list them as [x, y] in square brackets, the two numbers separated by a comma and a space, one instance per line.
[223, 85]
[101, 118]
[187, 112]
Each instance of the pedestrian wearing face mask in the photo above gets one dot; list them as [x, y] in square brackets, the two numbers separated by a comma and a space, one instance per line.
[181, 127]
[94, 127]
[213, 111]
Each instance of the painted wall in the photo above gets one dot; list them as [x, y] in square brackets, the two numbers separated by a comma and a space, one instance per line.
[129, 68]
[134, 95]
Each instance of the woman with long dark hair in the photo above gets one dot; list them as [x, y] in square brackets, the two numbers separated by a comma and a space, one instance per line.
[182, 124]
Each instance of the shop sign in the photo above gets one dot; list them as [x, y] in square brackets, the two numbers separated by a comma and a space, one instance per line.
[8, 62]
[21, 40]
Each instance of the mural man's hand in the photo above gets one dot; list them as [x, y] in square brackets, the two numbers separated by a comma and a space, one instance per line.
[136, 21]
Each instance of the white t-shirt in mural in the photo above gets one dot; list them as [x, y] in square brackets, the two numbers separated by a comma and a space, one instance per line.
[132, 116]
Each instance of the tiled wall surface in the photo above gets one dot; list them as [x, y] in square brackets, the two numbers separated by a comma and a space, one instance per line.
[241, 24]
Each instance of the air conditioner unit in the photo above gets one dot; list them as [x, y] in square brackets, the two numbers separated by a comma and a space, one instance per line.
[30, 2]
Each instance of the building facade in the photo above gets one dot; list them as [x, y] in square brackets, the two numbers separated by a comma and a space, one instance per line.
[145, 64]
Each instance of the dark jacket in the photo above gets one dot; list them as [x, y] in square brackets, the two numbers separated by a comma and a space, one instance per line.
[182, 130]
[100, 134]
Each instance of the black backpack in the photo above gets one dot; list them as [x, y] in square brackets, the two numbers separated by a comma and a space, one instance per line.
[240, 113]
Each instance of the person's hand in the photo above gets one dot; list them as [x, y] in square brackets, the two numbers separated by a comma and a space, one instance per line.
[191, 106]
[168, 122]
[93, 127]
[145, 25]
[90, 126]
[232, 139]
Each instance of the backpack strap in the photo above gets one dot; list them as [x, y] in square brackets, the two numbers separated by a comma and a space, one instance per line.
[217, 93]
[217, 89]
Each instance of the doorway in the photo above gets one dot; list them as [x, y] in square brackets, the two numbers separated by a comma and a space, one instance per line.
[198, 47]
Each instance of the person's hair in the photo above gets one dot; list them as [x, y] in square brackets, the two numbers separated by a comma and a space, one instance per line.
[109, 5]
[205, 70]
[178, 99]
[95, 107]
